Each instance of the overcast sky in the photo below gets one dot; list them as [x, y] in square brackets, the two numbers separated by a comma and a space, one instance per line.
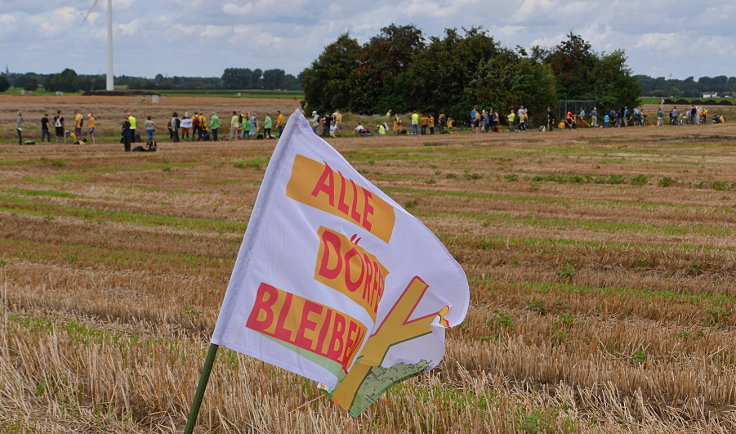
[680, 38]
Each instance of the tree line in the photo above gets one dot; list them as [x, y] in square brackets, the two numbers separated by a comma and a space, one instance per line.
[401, 70]
[232, 78]
[688, 87]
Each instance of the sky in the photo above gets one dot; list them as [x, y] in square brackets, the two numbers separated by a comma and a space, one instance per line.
[662, 38]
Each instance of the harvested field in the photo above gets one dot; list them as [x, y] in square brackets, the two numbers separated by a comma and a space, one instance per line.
[601, 266]
[109, 110]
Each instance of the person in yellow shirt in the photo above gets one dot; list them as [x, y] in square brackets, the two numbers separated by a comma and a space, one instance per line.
[91, 122]
[430, 124]
[338, 123]
[415, 123]
[424, 123]
[133, 124]
[234, 125]
[203, 127]
[280, 123]
[511, 118]
[78, 121]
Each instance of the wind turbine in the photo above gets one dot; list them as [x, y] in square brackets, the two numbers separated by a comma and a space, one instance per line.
[110, 85]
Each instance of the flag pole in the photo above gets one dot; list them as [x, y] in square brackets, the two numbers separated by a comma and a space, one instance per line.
[203, 379]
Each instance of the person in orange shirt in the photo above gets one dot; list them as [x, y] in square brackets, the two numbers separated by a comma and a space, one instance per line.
[91, 122]
[397, 124]
[424, 123]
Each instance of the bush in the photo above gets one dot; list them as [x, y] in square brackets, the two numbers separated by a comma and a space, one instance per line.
[666, 181]
[639, 180]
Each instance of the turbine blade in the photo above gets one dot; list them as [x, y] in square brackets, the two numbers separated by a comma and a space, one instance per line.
[90, 11]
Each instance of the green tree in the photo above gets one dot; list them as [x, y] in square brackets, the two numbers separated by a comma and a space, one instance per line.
[31, 85]
[580, 73]
[328, 81]
[66, 81]
[273, 78]
[572, 63]
[256, 79]
[439, 74]
[381, 62]
[236, 78]
[4, 83]
[509, 80]
[613, 85]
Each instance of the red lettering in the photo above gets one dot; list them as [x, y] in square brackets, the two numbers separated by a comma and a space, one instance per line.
[353, 285]
[368, 285]
[350, 342]
[281, 332]
[324, 186]
[323, 332]
[330, 238]
[338, 329]
[341, 205]
[307, 324]
[265, 299]
[354, 213]
[367, 208]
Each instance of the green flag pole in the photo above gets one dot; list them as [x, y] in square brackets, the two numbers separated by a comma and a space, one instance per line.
[203, 379]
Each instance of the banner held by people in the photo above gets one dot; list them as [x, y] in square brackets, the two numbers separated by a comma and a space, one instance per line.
[335, 281]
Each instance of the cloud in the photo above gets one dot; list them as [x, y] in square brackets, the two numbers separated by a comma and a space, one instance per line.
[202, 37]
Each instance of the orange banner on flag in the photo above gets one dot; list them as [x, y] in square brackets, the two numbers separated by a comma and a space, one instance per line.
[318, 185]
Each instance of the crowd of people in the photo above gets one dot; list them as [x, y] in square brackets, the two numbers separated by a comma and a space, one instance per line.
[60, 132]
[247, 125]
[195, 127]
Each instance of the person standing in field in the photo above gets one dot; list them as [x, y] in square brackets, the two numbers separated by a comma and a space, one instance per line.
[59, 126]
[195, 127]
[214, 125]
[511, 118]
[133, 126]
[253, 125]
[175, 123]
[337, 116]
[267, 125]
[326, 125]
[19, 128]
[150, 128]
[91, 123]
[315, 121]
[430, 124]
[126, 133]
[280, 123]
[442, 123]
[78, 121]
[424, 123]
[246, 126]
[594, 117]
[660, 116]
[415, 123]
[551, 119]
[186, 126]
[234, 123]
[45, 128]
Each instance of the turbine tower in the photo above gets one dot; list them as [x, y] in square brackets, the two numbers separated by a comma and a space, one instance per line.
[110, 85]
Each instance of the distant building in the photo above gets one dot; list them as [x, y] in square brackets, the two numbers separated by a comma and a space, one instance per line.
[710, 94]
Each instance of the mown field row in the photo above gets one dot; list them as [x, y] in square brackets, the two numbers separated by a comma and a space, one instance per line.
[601, 272]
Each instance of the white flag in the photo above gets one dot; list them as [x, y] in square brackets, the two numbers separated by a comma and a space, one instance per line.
[335, 281]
